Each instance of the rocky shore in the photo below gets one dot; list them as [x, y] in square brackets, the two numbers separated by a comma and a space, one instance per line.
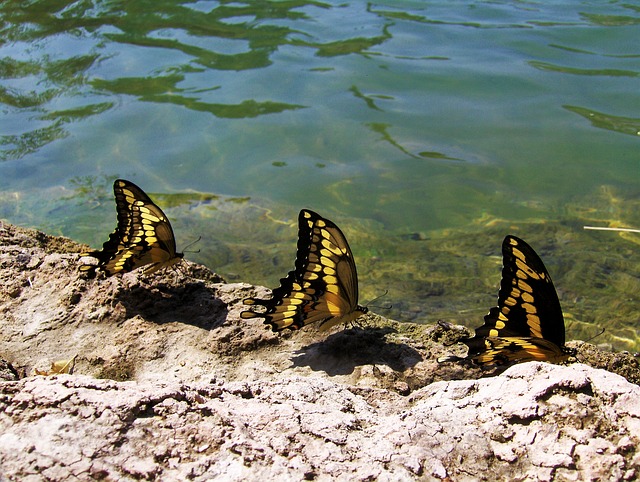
[168, 383]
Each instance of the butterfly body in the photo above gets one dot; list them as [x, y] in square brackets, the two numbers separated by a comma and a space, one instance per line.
[142, 238]
[323, 286]
[528, 323]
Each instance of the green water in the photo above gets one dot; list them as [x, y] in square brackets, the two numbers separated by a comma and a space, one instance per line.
[426, 130]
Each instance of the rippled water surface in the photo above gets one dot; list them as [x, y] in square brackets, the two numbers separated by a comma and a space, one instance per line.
[426, 130]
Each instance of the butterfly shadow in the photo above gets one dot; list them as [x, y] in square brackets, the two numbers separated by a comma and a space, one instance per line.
[190, 303]
[340, 353]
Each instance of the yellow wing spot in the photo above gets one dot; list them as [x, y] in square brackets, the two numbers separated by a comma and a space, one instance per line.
[524, 286]
[331, 280]
[525, 271]
[333, 309]
[150, 217]
[529, 308]
[534, 325]
[324, 261]
[527, 297]
[333, 304]
[329, 253]
[327, 243]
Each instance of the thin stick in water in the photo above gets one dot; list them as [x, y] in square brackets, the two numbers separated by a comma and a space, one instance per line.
[600, 228]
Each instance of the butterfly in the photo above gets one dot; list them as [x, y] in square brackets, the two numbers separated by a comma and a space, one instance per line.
[143, 236]
[322, 288]
[528, 323]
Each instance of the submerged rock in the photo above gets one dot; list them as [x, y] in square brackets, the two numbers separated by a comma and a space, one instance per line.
[169, 383]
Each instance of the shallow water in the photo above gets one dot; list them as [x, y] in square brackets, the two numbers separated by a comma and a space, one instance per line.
[426, 130]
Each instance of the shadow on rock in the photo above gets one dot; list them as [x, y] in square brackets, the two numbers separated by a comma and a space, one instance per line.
[341, 352]
[191, 303]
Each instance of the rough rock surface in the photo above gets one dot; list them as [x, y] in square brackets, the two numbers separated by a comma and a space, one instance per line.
[533, 422]
[170, 384]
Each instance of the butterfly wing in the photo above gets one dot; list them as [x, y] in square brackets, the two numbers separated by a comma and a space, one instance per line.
[527, 324]
[120, 238]
[528, 304]
[322, 288]
[143, 237]
[508, 350]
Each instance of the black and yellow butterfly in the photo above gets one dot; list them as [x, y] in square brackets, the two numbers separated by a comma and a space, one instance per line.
[528, 323]
[143, 236]
[322, 288]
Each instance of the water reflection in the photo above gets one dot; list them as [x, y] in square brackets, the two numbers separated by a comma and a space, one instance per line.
[369, 100]
[17, 146]
[575, 71]
[613, 20]
[358, 45]
[164, 89]
[30, 86]
[41, 64]
[624, 125]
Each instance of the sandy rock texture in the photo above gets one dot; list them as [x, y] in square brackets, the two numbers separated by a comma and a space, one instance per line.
[169, 383]
[557, 423]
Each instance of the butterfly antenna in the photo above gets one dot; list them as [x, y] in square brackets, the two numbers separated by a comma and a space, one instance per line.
[595, 336]
[371, 305]
[186, 249]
